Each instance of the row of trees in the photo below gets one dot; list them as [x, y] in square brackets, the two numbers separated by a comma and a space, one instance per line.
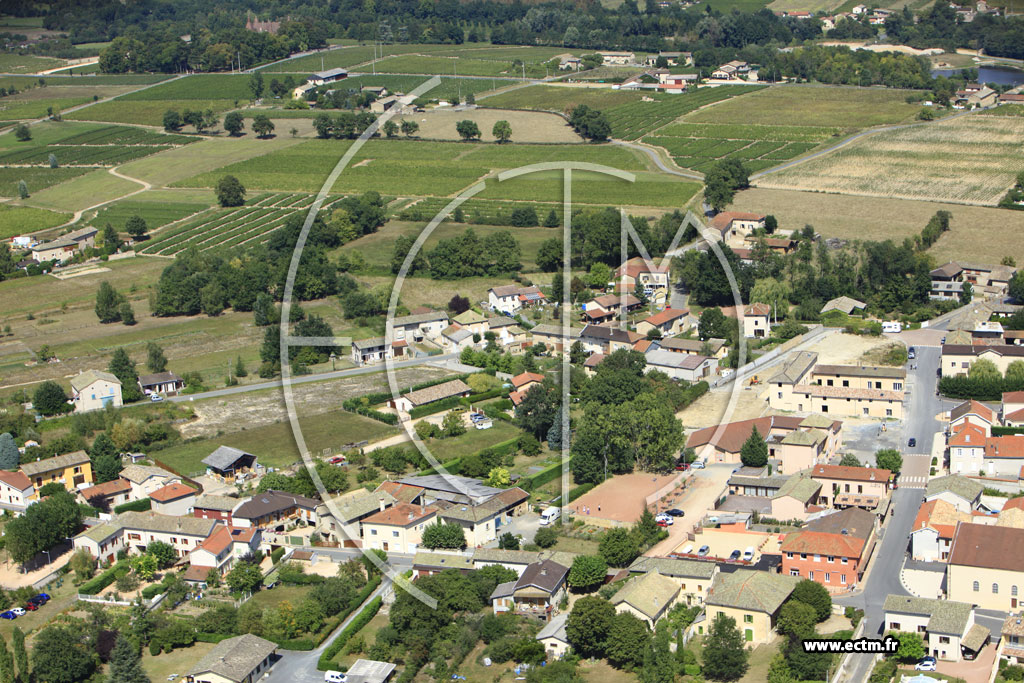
[465, 255]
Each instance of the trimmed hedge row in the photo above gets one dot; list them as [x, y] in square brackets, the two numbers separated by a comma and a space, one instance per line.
[141, 505]
[101, 581]
[212, 637]
[361, 404]
[978, 388]
[579, 491]
[541, 478]
[1006, 431]
[453, 401]
[361, 620]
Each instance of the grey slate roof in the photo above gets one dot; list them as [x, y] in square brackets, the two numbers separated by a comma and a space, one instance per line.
[224, 457]
[140, 473]
[968, 489]
[235, 658]
[945, 616]
[82, 380]
[795, 368]
[419, 318]
[751, 590]
[209, 501]
[59, 462]
[672, 567]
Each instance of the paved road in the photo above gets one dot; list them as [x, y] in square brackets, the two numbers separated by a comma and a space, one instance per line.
[658, 161]
[338, 374]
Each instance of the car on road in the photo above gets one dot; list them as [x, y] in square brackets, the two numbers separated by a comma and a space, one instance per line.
[675, 512]
[334, 677]
[698, 465]
[912, 442]
[704, 550]
[735, 555]
[156, 398]
[926, 664]
[911, 353]
[8, 615]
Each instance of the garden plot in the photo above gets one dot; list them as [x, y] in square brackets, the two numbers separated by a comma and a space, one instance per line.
[969, 160]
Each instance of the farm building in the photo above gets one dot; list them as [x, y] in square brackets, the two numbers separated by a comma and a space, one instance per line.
[422, 397]
[328, 76]
[65, 246]
[228, 462]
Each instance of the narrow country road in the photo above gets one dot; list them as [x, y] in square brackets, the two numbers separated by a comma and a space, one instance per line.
[658, 161]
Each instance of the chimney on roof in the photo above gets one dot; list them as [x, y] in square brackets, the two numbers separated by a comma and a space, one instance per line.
[543, 571]
[382, 506]
[412, 515]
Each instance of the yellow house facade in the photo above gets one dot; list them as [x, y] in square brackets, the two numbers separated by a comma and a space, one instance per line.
[752, 599]
[70, 470]
[986, 566]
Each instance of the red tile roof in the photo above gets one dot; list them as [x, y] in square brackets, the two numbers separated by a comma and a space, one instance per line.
[516, 397]
[1005, 446]
[928, 517]
[196, 573]
[844, 473]
[107, 488]
[992, 547]
[18, 480]
[820, 543]
[973, 407]
[757, 309]
[735, 433]
[723, 219]
[636, 265]
[968, 434]
[401, 514]
[667, 316]
[166, 494]
[1014, 503]
[216, 542]
[1013, 397]
[643, 345]
[525, 378]
[593, 360]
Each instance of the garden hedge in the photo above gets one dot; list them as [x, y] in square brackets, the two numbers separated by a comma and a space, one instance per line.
[97, 583]
[141, 505]
[543, 477]
[579, 491]
[361, 620]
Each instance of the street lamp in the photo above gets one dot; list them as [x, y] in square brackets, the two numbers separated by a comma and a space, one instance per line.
[47, 556]
[334, 357]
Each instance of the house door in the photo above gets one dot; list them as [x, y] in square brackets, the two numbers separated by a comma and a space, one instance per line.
[385, 544]
[1013, 603]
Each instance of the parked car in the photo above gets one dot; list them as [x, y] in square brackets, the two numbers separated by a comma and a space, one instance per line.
[682, 466]
[912, 442]
[42, 596]
[663, 523]
[31, 606]
[484, 425]
[19, 611]
[334, 677]
[698, 465]
[664, 520]
[704, 550]
[675, 512]
[8, 615]
[338, 460]
[926, 664]
[735, 555]
[911, 353]
[156, 398]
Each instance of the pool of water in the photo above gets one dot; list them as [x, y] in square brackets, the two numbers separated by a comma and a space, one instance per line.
[989, 74]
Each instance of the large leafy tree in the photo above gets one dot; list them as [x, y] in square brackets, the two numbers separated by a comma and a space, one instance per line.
[156, 361]
[724, 657]
[444, 535]
[588, 625]
[628, 638]
[230, 191]
[123, 367]
[538, 410]
[889, 459]
[106, 462]
[587, 572]
[816, 596]
[468, 130]
[50, 399]
[108, 303]
[61, 654]
[619, 547]
[244, 577]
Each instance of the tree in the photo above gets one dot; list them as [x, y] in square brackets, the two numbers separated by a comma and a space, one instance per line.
[123, 367]
[263, 311]
[551, 220]
[453, 425]
[136, 227]
[22, 190]
[111, 241]
[966, 294]
[127, 313]
[234, 123]
[60, 655]
[125, 663]
[628, 638]
[587, 572]
[145, 566]
[796, 619]
[724, 657]
[172, 121]
[444, 535]
[850, 460]
[508, 541]
[984, 369]
[619, 547]
[771, 224]
[722, 180]
[409, 127]
[468, 130]
[156, 361]
[230, 191]
[549, 255]
[50, 399]
[816, 596]
[911, 647]
[22, 132]
[244, 577]
[499, 477]
[458, 304]
[9, 456]
[545, 537]
[256, 85]
[390, 128]
[106, 461]
[108, 303]
[164, 553]
[889, 459]
[588, 625]
[1016, 287]
[262, 125]
[20, 654]
[713, 324]
[502, 131]
[83, 564]
[754, 452]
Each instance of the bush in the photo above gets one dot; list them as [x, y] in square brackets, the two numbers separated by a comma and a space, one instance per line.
[361, 620]
[101, 581]
[141, 505]
[150, 592]
[276, 556]
[545, 537]
[579, 491]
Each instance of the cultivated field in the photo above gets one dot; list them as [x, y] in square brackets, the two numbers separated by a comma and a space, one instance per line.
[979, 234]
[560, 98]
[23, 64]
[37, 178]
[527, 126]
[108, 146]
[824, 106]
[968, 160]
[17, 220]
[155, 213]
[146, 112]
[813, 6]
[82, 192]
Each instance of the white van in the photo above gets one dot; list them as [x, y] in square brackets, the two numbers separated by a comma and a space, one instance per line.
[334, 677]
[892, 327]
[550, 515]
[748, 554]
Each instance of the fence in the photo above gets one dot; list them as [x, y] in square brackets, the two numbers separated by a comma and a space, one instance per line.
[105, 599]
[844, 661]
[812, 334]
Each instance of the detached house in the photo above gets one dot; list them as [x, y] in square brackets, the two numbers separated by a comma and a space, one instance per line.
[146, 479]
[538, 590]
[653, 279]
[510, 299]
[693, 577]
[647, 597]
[757, 320]
[274, 509]
[221, 550]
[16, 491]
[668, 322]
[419, 326]
[986, 566]
[607, 340]
[372, 350]
[422, 397]
[962, 493]
[736, 225]
[947, 627]
[166, 383]
[397, 529]
[95, 390]
[71, 470]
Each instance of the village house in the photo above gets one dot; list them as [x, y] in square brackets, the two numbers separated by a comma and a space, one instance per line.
[713, 347]
[71, 470]
[145, 479]
[669, 322]
[734, 226]
[374, 350]
[607, 340]
[692, 577]
[341, 518]
[849, 402]
[569, 63]
[209, 506]
[271, 27]
[735, 70]
[65, 247]
[607, 307]
[851, 486]
[166, 383]
[648, 597]
[554, 338]
[653, 279]
[680, 366]
[537, 591]
[931, 536]
[422, 397]
[958, 358]
[221, 550]
[456, 338]
[174, 499]
[108, 495]
[1013, 638]
[1012, 402]
[1004, 456]
[975, 413]
[617, 58]
[397, 529]
[553, 637]
[16, 492]
[757, 320]
[962, 493]
[95, 390]
[521, 385]
[795, 372]
[821, 440]
[832, 549]
[967, 448]
[133, 531]
[428, 563]
[986, 566]
[947, 627]
[510, 299]
[242, 659]
[419, 326]
[519, 560]
[589, 366]
[752, 599]
[482, 523]
[274, 510]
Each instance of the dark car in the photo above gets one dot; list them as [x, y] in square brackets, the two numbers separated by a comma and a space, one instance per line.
[31, 606]
[675, 512]
[912, 442]
[735, 555]
[8, 615]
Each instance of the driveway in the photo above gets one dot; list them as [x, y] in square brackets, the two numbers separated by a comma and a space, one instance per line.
[978, 670]
[699, 499]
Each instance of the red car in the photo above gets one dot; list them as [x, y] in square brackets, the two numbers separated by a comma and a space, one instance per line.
[31, 606]
[338, 460]
[662, 523]
[682, 467]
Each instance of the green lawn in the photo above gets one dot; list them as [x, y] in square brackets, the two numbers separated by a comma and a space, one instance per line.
[369, 634]
[196, 87]
[576, 545]
[178, 661]
[83, 192]
[275, 596]
[35, 178]
[275, 444]
[840, 107]
[16, 220]
[473, 441]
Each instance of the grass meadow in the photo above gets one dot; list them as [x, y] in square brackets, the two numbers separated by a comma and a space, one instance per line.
[156, 214]
[82, 192]
[17, 220]
[969, 160]
[38, 178]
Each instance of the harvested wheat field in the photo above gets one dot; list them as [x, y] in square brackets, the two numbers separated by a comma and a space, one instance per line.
[968, 160]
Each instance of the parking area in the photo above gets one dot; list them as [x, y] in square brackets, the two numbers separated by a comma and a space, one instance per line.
[697, 500]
